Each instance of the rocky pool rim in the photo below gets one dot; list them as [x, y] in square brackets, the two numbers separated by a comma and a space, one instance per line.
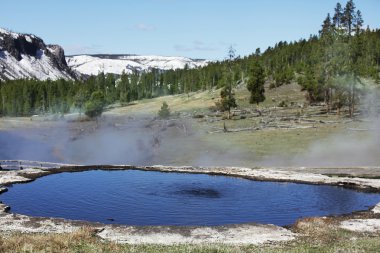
[180, 169]
[222, 171]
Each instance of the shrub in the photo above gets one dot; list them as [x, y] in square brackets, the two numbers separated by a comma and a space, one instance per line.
[164, 112]
[95, 106]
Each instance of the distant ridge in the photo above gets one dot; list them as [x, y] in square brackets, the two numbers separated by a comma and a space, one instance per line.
[104, 56]
[93, 64]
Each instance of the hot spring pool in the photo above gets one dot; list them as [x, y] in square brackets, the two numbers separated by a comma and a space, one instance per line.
[135, 197]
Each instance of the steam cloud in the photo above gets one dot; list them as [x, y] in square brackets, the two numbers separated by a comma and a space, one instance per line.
[146, 142]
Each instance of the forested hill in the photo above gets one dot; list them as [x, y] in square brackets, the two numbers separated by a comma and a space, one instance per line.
[329, 66]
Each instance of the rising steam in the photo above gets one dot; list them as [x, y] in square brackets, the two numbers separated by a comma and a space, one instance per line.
[146, 142]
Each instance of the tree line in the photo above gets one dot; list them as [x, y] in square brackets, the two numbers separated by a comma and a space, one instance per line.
[329, 66]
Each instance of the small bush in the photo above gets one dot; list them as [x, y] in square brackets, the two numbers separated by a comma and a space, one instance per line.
[283, 104]
[272, 85]
[95, 106]
[164, 112]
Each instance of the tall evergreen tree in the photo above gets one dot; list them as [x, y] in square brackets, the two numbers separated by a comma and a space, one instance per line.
[79, 100]
[27, 100]
[338, 15]
[256, 82]
[326, 26]
[349, 16]
[310, 84]
[123, 87]
[358, 24]
[228, 97]
[227, 100]
[258, 52]
[95, 106]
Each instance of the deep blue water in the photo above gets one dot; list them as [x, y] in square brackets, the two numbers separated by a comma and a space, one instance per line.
[154, 198]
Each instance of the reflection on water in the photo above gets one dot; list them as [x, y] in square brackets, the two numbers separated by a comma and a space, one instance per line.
[154, 198]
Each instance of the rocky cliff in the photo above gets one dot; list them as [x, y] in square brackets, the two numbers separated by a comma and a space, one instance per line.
[27, 56]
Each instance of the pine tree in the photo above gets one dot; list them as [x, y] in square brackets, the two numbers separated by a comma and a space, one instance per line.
[227, 96]
[337, 19]
[231, 53]
[358, 22]
[123, 87]
[164, 112]
[79, 100]
[258, 52]
[227, 99]
[349, 16]
[256, 82]
[326, 26]
[110, 95]
[26, 98]
[95, 106]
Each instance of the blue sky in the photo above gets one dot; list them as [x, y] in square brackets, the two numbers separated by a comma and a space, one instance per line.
[192, 28]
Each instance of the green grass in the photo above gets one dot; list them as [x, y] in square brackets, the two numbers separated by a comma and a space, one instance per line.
[86, 241]
[241, 148]
[195, 101]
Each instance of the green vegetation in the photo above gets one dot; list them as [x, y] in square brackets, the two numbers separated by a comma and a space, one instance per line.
[164, 112]
[256, 83]
[227, 99]
[226, 94]
[95, 106]
[85, 241]
[328, 66]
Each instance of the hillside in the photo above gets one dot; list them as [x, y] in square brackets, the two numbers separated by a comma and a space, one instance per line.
[27, 56]
[330, 67]
[116, 64]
